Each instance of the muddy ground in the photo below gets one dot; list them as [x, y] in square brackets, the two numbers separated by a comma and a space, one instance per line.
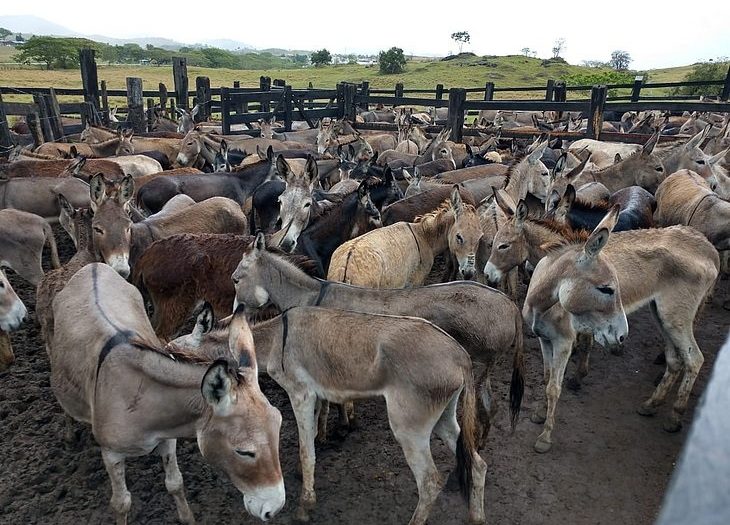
[608, 465]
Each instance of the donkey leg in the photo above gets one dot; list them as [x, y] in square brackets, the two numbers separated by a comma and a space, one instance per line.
[583, 351]
[174, 480]
[7, 357]
[414, 438]
[487, 409]
[121, 500]
[540, 413]
[322, 412]
[561, 355]
[692, 360]
[303, 404]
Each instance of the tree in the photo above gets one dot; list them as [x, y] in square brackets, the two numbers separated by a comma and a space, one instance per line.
[5, 32]
[558, 47]
[461, 38]
[392, 61]
[321, 57]
[54, 52]
[526, 51]
[301, 60]
[620, 60]
[704, 71]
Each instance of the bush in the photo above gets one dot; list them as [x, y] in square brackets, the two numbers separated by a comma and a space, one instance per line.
[392, 61]
[600, 77]
[710, 70]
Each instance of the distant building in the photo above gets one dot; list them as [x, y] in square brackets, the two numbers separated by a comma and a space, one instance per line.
[12, 40]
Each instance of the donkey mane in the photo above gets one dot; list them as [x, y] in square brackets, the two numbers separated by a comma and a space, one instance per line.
[512, 166]
[443, 208]
[623, 159]
[300, 262]
[599, 206]
[568, 234]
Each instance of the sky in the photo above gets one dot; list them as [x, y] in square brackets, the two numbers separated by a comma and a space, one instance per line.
[651, 32]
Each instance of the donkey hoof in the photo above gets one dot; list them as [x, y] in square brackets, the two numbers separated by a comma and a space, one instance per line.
[646, 410]
[672, 425]
[476, 520]
[301, 515]
[573, 385]
[542, 445]
[539, 415]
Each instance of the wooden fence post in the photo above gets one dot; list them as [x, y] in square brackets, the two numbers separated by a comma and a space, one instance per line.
[310, 103]
[595, 113]
[365, 92]
[173, 111]
[135, 105]
[150, 114]
[265, 85]
[54, 115]
[163, 98]
[279, 82]
[288, 108]
[560, 95]
[6, 140]
[202, 91]
[726, 88]
[549, 90]
[348, 91]
[36, 131]
[455, 120]
[104, 104]
[636, 90]
[45, 124]
[225, 110]
[399, 90]
[340, 100]
[489, 91]
[439, 91]
[180, 79]
[238, 108]
[89, 78]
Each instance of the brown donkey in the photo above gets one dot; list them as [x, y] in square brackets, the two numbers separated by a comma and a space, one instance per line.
[108, 369]
[586, 286]
[320, 353]
[402, 254]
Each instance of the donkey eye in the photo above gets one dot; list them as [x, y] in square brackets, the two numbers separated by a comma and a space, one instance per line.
[307, 204]
[701, 162]
[605, 290]
[98, 230]
[2, 285]
[659, 168]
[245, 453]
[459, 238]
[503, 246]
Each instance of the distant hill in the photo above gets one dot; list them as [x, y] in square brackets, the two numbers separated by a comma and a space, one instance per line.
[34, 25]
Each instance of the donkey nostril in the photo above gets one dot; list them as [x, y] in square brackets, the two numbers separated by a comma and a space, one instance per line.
[267, 516]
[621, 339]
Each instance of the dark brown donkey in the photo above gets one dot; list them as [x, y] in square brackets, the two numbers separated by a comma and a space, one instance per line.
[182, 271]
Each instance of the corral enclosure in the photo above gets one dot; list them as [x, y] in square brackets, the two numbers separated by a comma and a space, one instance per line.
[608, 465]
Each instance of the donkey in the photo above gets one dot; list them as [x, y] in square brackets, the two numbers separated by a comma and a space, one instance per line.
[103, 348]
[402, 254]
[419, 369]
[483, 320]
[179, 272]
[690, 156]
[22, 238]
[39, 195]
[12, 313]
[685, 198]
[167, 146]
[587, 284]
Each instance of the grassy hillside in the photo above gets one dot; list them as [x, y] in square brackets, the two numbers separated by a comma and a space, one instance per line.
[462, 72]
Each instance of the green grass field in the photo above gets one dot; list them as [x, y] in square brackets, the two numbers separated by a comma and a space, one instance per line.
[504, 71]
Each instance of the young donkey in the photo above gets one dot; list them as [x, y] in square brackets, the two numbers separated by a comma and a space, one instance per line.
[586, 286]
[109, 369]
[319, 353]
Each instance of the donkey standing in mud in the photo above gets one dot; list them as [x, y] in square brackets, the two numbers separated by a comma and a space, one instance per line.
[486, 322]
[109, 369]
[586, 284]
[317, 353]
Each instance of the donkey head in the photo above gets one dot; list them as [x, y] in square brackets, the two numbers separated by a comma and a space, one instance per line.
[295, 203]
[125, 146]
[241, 435]
[585, 283]
[464, 235]
[509, 247]
[186, 122]
[267, 127]
[12, 309]
[368, 214]
[111, 224]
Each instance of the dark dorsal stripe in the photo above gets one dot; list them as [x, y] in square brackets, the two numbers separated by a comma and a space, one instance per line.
[323, 287]
[418, 246]
[123, 336]
[285, 334]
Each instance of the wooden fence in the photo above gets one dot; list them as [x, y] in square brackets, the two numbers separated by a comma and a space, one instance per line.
[239, 107]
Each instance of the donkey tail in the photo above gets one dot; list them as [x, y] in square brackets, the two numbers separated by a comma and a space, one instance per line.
[51, 241]
[517, 385]
[466, 444]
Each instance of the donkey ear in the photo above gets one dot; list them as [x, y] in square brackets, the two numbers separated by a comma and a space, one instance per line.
[617, 158]
[536, 154]
[552, 201]
[217, 386]
[240, 340]
[311, 170]
[651, 143]
[456, 203]
[569, 195]
[259, 244]
[126, 189]
[559, 165]
[270, 154]
[521, 213]
[505, 206]
[203, 323]
[97, 191]
[65, 206]
[260, 153]
[599, 236]
[224, 148]
[406, 175]
[282, 167]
